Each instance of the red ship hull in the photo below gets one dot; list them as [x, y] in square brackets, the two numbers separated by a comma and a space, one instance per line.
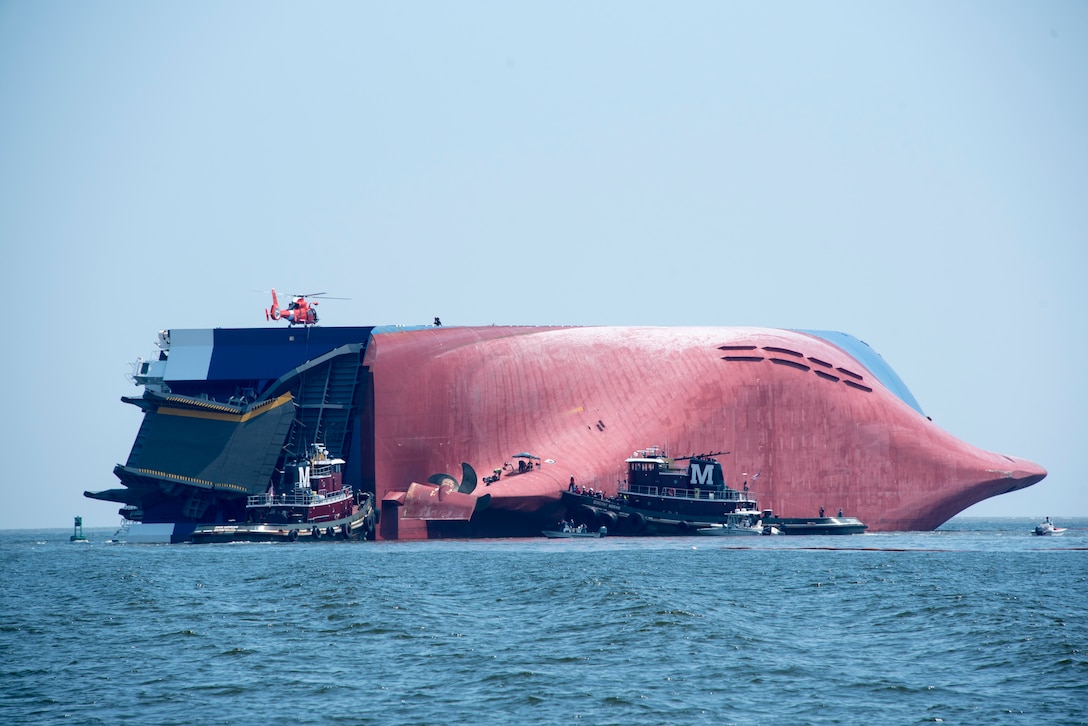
[810, 419]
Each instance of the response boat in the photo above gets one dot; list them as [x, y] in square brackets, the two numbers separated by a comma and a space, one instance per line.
[814, 525]
[738, 525]
[1046, 528]
[569, 530]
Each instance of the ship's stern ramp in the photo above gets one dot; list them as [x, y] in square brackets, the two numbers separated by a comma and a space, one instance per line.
[327, 392]
[196, 450]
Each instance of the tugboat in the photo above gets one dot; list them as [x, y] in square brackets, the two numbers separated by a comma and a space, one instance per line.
[663, 498]
[317, 506]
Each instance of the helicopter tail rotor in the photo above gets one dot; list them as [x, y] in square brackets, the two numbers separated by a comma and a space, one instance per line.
[273, 313]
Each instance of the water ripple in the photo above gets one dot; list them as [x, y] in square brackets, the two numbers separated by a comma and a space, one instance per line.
[614, 631]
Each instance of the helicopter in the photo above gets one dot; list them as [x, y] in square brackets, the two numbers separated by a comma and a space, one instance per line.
[299, 311]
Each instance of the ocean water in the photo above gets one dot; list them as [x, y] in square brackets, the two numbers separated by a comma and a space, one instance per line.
[979, 622]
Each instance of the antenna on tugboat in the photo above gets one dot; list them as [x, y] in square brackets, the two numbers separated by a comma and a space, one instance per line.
[703, 456]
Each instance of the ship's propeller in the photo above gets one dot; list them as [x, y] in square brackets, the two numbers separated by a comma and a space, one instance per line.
[468, 479]
[467, 484]
[443, 480]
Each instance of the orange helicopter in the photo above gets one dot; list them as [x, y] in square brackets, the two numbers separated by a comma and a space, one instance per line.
[299, 311]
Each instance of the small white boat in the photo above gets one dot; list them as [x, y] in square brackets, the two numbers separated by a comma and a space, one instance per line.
[1047, 529]
[746, 524]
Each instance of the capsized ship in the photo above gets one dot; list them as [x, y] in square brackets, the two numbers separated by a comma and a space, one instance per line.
[812, 419]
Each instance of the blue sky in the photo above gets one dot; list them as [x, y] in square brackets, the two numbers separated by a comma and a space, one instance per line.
[912, 173]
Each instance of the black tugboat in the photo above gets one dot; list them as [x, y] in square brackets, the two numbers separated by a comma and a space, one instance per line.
[662, 498]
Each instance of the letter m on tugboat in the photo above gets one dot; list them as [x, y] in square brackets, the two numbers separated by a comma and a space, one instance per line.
[702, 474]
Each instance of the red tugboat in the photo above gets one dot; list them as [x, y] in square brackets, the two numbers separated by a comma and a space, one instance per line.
[317, 506]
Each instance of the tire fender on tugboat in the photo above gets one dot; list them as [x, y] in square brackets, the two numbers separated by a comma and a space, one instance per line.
[292, 536]
[637, 522]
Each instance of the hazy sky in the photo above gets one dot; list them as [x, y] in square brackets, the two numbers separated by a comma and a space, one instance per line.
[912, 173]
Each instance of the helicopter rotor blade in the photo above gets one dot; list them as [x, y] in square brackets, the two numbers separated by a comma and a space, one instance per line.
[322, 296]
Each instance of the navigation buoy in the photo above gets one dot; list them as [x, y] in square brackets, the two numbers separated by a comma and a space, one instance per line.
[77, 531]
